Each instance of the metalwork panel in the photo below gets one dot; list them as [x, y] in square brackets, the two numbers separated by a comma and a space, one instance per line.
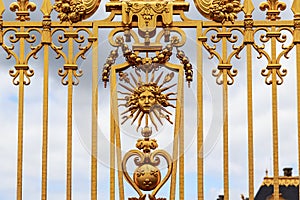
[145, 72]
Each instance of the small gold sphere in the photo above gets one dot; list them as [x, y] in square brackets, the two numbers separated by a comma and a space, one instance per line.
[147, 177]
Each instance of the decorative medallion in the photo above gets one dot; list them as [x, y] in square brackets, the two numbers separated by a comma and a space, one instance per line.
[147, 99]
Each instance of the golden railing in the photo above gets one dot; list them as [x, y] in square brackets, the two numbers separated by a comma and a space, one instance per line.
[72, 15]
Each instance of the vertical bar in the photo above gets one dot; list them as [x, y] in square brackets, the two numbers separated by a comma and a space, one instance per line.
[69, 136]
[275, 118]
[20, 134]
[225, 119]
[275, 134]
[296, 36]
[112, 141]
[119, 158]
[45, 122]
[177, 129]
[114, 106]
[200, 147]
[181, 151]
[250, 123]
[20, 121]
[298, 101]
[94, 155]
[225, 135]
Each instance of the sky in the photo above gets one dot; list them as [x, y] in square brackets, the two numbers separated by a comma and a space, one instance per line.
[82, 124]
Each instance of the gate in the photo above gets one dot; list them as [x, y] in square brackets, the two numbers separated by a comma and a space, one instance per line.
[147, 111]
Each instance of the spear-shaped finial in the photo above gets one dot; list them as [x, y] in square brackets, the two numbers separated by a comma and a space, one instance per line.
[2, 7]
[46, 7]
[248, 8]
[296, 8]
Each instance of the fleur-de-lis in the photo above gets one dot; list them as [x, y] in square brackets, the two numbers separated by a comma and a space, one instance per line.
[273, 7]
[21, 8]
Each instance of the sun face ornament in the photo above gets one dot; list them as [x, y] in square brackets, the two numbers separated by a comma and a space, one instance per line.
[146, 99]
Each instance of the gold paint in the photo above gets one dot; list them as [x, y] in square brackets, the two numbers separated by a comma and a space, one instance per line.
[273, 7]
[200, 135]
[282, 180]
[71, 25]
[296, 10]
[75, 10]
[94, 150]
[219, 11]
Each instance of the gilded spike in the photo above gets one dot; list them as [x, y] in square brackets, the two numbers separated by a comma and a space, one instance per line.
[2, 8]
[296, 7]
[46, 7]
[248, 7]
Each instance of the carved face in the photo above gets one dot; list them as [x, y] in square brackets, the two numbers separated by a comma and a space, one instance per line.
[146, 101]
[147, 177]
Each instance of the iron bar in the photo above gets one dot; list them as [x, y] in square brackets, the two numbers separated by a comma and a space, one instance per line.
[177, 130]
[45, 122]
[200, 147]
[250, 123]
[95, 93]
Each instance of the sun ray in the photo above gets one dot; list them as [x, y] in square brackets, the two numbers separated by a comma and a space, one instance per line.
[159, 77]
[153, 121]
[124, 93]
[125, 119]
[140, 81]
[134, 79]
[165, 110]
[167, 88]
[140, 121]
[128, 110]
[155, 114]
[152, 76]
[127, 88]
[136, 116]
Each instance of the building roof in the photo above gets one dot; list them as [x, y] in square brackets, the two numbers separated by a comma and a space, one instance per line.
[288, 188]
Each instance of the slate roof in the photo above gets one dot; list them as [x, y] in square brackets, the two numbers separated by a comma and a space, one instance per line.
[288, 187]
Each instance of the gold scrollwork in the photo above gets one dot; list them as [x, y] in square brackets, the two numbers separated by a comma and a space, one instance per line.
[224, 66]
[274, 65]
[70, 63]
[22, 68]
[147, 177]
[15, 73]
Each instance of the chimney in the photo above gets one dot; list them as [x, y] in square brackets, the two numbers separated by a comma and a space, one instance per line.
[287, 171]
